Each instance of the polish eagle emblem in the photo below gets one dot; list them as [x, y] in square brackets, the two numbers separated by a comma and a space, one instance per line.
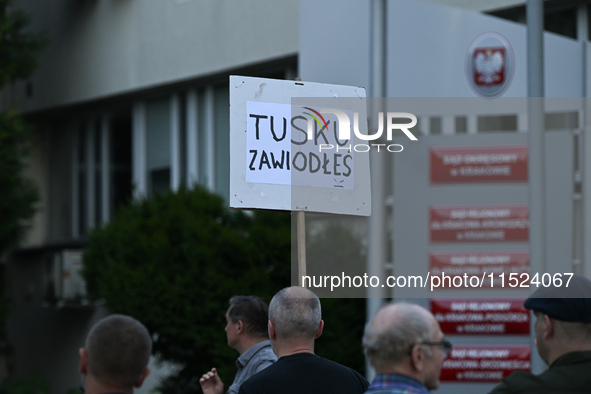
[489, 66]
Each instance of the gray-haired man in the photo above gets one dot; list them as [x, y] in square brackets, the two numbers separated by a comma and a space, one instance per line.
[294, 324]
[406, 347]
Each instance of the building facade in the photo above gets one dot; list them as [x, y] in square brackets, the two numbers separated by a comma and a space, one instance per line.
[131, 98]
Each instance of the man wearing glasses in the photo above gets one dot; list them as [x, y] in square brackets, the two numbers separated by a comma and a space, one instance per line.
[563, 340]
[406, 347]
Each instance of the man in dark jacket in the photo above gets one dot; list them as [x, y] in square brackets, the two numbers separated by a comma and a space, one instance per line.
[294, 324]
[563, 339]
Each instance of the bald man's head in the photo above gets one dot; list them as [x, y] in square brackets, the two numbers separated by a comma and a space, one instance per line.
[118, 349]
[296, 314]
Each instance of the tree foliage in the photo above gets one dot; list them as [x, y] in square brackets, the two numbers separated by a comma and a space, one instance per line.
[35, 385]
[174, 261]
[19, 194]
[19, 50]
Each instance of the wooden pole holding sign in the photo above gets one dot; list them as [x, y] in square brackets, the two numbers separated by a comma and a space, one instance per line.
[301, 228]
[301, 247]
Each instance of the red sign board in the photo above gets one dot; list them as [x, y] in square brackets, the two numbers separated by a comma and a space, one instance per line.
[473, 363]
[482, 223]
[480, 264]
[481, 317]
[481, 164]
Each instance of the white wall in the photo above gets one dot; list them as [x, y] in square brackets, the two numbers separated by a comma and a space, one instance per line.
[335, 42]
[428, 43]
[426, 50]
[104, 48]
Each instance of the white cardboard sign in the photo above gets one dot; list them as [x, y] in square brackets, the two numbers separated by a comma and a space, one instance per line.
[275, 156]
[286, 154]
[268, 143]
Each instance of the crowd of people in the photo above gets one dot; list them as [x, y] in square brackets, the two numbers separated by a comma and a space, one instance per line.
[403, 343]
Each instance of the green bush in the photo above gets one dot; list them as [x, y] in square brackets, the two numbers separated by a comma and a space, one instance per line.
[35, 385]
[19, 194]
[174, 261]
[19, 49]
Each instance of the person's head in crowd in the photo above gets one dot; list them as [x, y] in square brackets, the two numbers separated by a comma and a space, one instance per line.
[116, 355]
[246, 322]
[563, 339]
[295, 320]
[405, 339]
[563, 318]
[246, 332]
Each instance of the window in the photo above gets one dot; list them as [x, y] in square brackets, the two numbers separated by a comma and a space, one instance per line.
[558, 18]
[101, 170]
[120, 158]
[154, 145]
[222, 140]
[158, 145]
